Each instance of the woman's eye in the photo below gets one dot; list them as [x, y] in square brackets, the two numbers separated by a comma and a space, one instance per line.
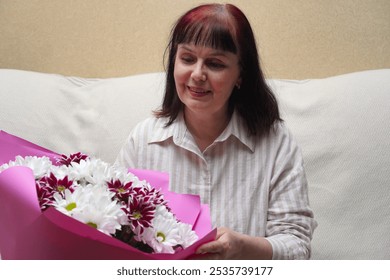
[187, 59]
[216, 65]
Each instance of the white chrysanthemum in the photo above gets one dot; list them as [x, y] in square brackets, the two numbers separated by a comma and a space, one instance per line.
[188, 236]
[72, 202]
[80, 172]
[91, 171]
[92, 205]
[163, 236]
[39, 165]
[121, 173]
[101, 172]
[60, 171]
[3, 167]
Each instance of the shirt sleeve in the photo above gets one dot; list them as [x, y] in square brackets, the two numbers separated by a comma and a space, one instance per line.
[127, 156]
[291, 221]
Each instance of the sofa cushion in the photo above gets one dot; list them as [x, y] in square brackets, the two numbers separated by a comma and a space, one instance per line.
[68, 114]
[343, 126]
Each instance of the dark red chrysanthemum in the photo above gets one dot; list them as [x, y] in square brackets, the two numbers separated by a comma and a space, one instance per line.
[67, 160]
[122, 191]
[153, 196]
[57, 185]
[140, 212]
[44, 193]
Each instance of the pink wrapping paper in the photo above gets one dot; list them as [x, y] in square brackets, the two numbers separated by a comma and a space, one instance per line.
[28, 233]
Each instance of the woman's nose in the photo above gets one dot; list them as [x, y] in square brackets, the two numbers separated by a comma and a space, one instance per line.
[198, 73]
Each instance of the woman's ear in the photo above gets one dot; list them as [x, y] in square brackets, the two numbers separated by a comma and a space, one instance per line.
[238, 83]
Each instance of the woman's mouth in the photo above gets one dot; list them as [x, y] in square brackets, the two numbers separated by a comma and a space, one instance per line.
[198, 91]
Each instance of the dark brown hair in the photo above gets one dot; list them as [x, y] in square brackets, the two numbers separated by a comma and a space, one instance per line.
[224, 27]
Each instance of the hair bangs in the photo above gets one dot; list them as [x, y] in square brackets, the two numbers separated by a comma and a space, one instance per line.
[215, 34]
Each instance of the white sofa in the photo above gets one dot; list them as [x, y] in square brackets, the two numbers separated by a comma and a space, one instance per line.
[342, 124]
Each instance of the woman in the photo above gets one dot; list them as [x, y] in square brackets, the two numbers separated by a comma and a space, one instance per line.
[219, 135]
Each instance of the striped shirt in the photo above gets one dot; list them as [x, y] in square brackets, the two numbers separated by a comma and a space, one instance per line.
[256, 186]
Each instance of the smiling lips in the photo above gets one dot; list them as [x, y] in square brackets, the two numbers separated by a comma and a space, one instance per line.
[198, 92]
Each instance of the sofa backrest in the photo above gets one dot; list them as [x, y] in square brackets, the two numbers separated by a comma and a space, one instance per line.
[342, 124]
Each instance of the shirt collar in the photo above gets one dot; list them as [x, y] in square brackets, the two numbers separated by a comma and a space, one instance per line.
[237, 128]
[179, 133]
[177, 130]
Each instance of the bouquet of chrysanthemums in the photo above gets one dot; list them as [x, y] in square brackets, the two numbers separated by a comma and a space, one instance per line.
[88, 199]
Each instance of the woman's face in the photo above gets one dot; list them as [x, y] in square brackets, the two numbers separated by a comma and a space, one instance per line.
[205, 78]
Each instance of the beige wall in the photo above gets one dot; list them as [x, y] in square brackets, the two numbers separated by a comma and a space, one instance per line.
[298, 39]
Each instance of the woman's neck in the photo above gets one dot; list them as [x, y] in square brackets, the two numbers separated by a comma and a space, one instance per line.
[205, 129]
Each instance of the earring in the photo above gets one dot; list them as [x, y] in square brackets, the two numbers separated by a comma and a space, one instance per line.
[238, 86]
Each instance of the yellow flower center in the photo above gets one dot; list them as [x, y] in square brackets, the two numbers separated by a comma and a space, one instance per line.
[160, 236]
[61, 188]
[91, 224]
[137, 215]
[71, 206]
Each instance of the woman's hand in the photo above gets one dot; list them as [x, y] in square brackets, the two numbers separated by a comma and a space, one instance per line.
[230, 245]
